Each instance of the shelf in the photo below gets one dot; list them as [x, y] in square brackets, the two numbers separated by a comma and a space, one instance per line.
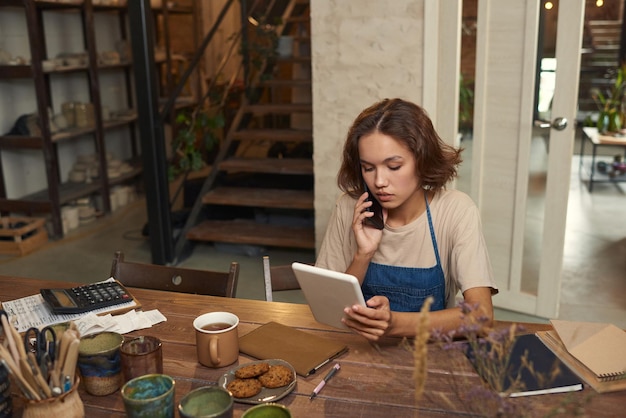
[51, 5]
[72, 133]
[20, 142]
[70, 191]
[67, 191]
[26, 71]
[53, 193]
[117, 123]
[69, 69]
[109, 8]
[118, 66]
[35, 142]
[15, 71]
[176, 10]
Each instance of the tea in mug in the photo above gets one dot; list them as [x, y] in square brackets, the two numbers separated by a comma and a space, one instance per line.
[216, 326]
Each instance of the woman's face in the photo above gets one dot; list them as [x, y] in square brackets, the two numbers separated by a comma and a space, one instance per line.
[388, 168]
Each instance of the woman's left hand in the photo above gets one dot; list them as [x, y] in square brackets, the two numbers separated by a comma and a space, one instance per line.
[371, 321]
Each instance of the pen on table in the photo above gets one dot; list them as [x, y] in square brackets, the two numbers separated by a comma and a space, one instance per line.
[330, 374]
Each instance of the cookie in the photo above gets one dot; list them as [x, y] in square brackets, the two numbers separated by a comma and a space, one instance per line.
[277, 376]
[244, 388]
[252, 370]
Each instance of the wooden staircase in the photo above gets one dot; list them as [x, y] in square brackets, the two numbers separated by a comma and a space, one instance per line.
[600, 57]
[263, 175]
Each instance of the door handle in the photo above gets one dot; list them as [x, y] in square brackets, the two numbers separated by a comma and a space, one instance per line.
[559, 123]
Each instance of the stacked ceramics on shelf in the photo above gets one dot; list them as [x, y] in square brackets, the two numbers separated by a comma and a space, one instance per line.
[87, 168]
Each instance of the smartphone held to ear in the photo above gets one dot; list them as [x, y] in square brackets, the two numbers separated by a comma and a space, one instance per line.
[377, 220]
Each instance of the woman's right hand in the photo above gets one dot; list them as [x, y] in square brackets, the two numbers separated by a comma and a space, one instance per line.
[367, 238]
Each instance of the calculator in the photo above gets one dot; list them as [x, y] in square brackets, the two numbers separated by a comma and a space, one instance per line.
[86, 298]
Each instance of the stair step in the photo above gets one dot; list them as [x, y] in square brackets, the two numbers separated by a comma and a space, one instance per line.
[286, 83]
[603, 23]
[298, 19]
[612, 47]
[599, 66]
[612, 30]
[268, 165]
[259, 197]
[250, 232]
[284, 108]
[295, 59]
[288, 135]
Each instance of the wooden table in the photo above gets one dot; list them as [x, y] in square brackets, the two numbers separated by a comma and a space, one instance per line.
[371, 383]
[596, 140]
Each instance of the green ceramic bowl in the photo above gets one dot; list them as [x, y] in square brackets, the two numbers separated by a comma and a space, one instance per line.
[268, 410]
[102, 343]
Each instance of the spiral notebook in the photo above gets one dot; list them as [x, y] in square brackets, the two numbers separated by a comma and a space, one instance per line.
[601, 347]
[594, 351]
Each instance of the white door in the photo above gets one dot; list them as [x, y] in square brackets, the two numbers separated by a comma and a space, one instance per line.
[504, 88]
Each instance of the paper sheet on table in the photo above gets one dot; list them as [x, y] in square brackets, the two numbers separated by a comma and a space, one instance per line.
[130, 321]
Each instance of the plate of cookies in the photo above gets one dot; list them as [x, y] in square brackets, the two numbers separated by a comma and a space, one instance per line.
[260, 381]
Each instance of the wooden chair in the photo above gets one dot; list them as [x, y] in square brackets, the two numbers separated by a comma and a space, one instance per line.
[278, 278]
[153, 276]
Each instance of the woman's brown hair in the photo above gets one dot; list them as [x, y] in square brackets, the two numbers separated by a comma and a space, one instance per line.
[408, 123]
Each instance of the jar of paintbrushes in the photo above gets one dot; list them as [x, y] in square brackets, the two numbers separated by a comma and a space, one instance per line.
[42, 364]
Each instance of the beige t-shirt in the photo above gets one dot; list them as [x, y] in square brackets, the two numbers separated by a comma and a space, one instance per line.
[458, 232]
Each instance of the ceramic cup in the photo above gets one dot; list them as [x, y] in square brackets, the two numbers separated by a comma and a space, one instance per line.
[217, 339]
[106, 113]
[206, 402]
[151, 395]
[70, 213]
[99, 362]
[68, 110]
[140, 356]
[84, 114]
[268, 410]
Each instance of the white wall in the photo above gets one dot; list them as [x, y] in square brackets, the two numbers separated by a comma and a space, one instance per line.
[362, 51]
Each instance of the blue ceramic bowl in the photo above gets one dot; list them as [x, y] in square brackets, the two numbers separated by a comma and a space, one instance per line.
[151, 395]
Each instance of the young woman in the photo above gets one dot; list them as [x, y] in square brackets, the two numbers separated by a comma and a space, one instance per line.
[431, 243]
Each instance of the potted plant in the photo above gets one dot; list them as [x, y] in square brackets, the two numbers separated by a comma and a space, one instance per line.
[199, 132]
[466, 105]
[610, 102]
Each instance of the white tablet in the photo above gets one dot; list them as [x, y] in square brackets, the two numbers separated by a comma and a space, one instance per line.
[328, 292]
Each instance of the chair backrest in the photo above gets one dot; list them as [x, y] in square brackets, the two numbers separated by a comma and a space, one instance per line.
[278, 278]
[177, 279]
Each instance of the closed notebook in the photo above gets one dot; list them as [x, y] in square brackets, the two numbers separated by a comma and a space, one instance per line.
[544, 362]
[304, 351]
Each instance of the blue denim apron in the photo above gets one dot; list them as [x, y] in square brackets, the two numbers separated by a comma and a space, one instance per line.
[408, 287]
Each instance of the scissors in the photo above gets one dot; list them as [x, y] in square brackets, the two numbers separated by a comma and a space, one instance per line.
[45, 342]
